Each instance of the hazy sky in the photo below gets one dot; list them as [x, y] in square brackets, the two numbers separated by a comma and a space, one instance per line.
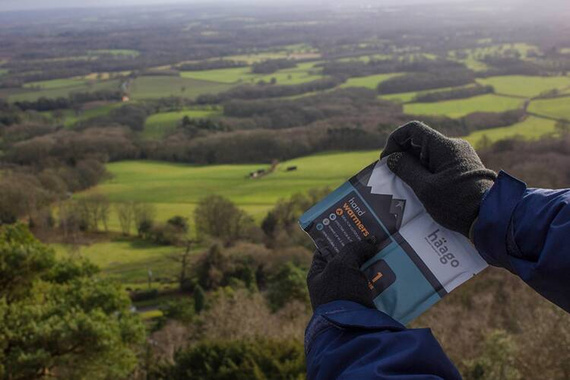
[8, 5]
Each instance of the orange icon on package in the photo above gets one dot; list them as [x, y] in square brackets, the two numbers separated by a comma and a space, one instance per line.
[339, 211]
[376, 278]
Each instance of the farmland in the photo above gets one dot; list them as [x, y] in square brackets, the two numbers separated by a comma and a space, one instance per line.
[156, 182]
[300, 74]
[558, 108]
[70, 117]
[127, 260]
[159, 86]
[474, 57]
[525, 86]
[462, 107]
[160, 124]
[55, 83]
[532, 128]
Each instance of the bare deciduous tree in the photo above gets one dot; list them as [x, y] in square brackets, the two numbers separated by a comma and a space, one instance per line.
[125, 215]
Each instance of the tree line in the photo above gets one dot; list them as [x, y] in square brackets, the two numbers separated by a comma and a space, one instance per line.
[73, 100]
[455, 93]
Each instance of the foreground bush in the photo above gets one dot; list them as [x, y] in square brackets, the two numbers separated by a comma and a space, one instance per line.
[259, 359]
[57, 318]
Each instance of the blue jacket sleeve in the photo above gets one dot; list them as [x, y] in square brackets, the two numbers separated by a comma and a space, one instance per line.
[527, 231]
[346, 340]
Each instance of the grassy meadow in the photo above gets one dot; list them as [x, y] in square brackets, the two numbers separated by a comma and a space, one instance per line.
[558, 108]
[473, 58]
[526, 86]
[157, 125]
[232, 75]
[56, 83]
[163, 86]
[258, 57]
[128, 260]
[70, 117]
[531, 128]
[304, 72]
[462, 107]
[176, 188]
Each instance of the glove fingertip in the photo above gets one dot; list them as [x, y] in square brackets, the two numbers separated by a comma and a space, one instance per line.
[394, 160]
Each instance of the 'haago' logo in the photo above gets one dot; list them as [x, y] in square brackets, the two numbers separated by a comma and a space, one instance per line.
[439, 245]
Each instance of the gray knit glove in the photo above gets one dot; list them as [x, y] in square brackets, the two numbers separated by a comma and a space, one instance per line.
[340, 278]
[445, 173]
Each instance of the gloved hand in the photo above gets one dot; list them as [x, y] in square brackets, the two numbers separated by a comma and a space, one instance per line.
[445, 173]
[341, 278]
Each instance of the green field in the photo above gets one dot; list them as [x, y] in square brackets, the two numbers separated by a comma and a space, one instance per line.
[371, 81]
[304, 72]
[175, 188]
[3, 72]
[473, 64]
[558, 108]
[128, 261]
[474, 56]
[221, 75]
[70, 117]
[526, 86]
[159, 182]
[248, 59]
[162, 86]
[57, 92]
[257, 57]
[461, 107]
[55, 83]
[531, 128]
[481, 52]
[115, 52]
[159, 124]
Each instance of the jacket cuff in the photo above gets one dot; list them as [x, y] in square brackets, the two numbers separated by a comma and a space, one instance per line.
[492, 228]
[343, 315]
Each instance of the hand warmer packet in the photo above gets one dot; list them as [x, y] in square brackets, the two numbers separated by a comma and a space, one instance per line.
[418, 260]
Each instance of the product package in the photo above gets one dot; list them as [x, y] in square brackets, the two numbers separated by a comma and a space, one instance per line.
[418, 261]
